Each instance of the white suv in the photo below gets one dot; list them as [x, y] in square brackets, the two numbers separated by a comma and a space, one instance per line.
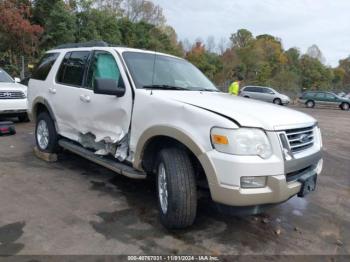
[143, 113]
[13, 97]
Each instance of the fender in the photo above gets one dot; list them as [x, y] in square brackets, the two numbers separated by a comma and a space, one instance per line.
[44, 102]
[167, 131]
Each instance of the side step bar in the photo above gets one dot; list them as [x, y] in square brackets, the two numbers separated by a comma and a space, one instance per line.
[115, 166]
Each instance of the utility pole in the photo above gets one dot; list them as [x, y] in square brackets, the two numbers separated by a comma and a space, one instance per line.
[22, 70]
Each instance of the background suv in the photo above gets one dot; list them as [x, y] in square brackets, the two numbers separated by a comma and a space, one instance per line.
[13, 97]
[312, 98]
[266, 94]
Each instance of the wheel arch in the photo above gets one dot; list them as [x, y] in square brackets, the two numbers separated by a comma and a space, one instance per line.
[40, 104]
[156, 138]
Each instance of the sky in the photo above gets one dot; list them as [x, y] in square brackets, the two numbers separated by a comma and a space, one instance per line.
[299, 23]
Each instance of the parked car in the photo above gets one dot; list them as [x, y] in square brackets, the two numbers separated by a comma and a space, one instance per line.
[145, 114]
[13, 97]
[313, 98]
[266, 94]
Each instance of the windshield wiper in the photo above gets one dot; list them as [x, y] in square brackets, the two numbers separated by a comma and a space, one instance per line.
[208, 90]
[164, 87]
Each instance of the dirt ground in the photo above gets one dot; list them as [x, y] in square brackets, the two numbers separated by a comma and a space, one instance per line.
[76, 207]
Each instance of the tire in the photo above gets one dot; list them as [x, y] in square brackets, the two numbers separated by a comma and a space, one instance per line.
[48, 131]
[310, 104]
[174, 167]
[246, 96]
[277, 101]
[345, 106]
[23, 118]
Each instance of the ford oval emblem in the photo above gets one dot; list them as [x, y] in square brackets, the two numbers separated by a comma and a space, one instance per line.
[304, 138]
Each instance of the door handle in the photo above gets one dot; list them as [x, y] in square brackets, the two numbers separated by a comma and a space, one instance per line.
[85, 98]
[52, 90]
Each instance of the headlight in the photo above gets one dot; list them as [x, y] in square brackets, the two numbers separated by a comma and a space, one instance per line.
[241, 141]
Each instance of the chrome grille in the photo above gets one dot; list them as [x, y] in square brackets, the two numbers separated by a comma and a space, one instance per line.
[300, 139]
[12, 95]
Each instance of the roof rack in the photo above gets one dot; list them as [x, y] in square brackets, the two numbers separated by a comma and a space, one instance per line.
[84, 44]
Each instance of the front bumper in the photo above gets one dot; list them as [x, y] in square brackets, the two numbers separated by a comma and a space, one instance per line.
[13, 106]
[224, 172]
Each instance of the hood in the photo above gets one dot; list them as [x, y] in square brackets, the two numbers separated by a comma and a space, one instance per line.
[5, 86]
[247, 112]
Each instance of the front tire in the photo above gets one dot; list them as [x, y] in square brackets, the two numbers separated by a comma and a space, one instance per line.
[176, 187]
[45, 134]
[277, 101]
[345, 106]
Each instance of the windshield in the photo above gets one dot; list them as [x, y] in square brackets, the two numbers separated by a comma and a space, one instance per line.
[4, 77]
[169, 72]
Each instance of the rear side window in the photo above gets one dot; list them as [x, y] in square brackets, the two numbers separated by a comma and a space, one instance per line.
[44, 66]
[72, 68]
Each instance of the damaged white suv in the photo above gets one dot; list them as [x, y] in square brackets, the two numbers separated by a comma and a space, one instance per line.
[143, 113]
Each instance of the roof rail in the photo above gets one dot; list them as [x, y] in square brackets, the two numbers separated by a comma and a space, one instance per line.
[84, 44]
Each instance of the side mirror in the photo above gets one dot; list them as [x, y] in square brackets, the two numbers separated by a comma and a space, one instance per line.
[105, 86]
[17, 80]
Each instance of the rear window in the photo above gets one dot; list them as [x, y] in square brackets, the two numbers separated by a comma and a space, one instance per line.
[44, 66]
[72, 68]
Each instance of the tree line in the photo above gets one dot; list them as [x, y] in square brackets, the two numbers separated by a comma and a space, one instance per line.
[30, 27]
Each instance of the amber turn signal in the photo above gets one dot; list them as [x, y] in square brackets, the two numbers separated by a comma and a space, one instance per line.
[219, 139]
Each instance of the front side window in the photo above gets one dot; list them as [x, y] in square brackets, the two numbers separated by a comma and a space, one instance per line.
[330, 97]
[320, 96]
[153, 70]
[5, 77]
[104, 66]
[268, 91]
[72, 68]
[44, 66]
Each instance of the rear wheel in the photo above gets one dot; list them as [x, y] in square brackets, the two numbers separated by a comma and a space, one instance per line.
[310, 104]
[176, 186]
[277, 101]
[45, 133]
[345, 106]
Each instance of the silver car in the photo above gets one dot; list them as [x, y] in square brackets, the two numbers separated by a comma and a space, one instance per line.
[266, 94]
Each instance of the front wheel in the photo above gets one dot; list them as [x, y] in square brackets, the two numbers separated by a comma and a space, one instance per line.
[345, 106]
[45, 134]
[277, 101]
[176, 186]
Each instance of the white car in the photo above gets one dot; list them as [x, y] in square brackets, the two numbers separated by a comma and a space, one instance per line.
[266, 94]
[13, 97]
[142, 113]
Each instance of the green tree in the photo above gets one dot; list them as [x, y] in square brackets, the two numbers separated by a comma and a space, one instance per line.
[59, 22]
[242, 38]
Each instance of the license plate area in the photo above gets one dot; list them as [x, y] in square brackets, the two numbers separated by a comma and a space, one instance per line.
[308, 183]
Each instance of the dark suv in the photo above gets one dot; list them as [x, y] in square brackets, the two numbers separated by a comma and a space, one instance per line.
[312, 98]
